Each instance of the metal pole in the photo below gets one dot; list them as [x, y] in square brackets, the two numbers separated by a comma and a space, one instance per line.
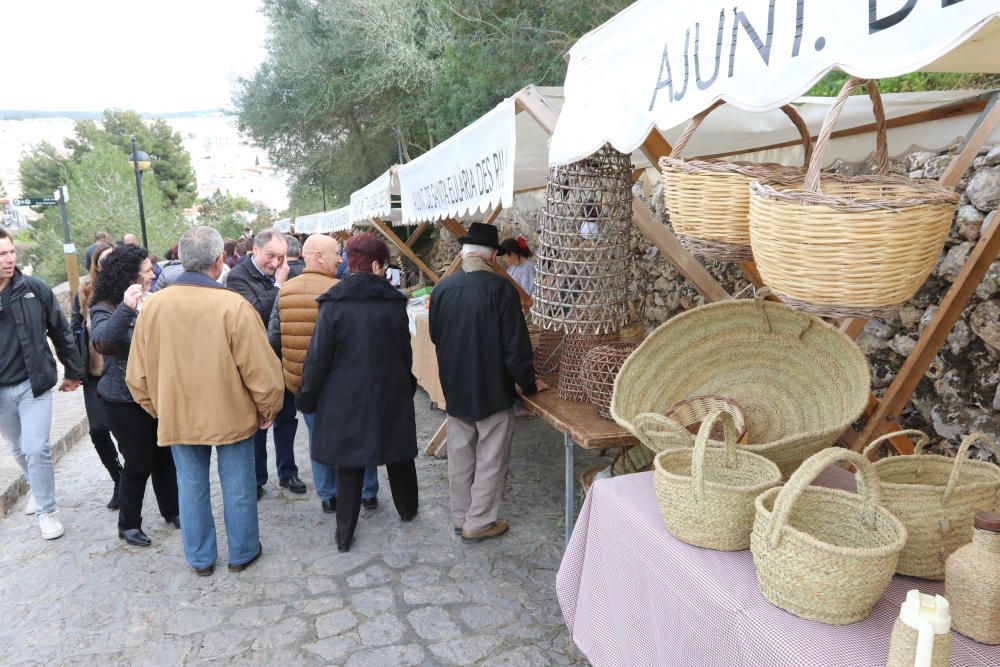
[69, 250]
[138, 190]
[570, 485]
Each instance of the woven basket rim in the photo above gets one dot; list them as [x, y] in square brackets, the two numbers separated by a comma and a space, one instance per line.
[882, 551]
[714, 452]
[746, 168]
[943, 461]
[700, 311]
[925, 193]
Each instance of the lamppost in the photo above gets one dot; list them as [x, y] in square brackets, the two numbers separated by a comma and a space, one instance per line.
[139, 161]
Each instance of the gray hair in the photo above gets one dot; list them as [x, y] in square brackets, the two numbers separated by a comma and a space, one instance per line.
[294, 247]
[267, 236]
[199, 248]
[479, 250]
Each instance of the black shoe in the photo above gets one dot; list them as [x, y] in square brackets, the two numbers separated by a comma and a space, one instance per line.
[293, 484]
[205, 571]
[243, 566]
[260, 492]
[343, 547]
[458, 530]
[369, 503]
[175, 520]
[135, 537]
[408, 519]
[113, 503]
[330, 506]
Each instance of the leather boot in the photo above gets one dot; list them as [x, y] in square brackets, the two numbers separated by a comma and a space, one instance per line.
[106, 451]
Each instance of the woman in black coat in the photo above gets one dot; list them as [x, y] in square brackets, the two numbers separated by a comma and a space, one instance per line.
[357, 381]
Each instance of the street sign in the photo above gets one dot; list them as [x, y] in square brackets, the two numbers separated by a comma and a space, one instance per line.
[35, 201]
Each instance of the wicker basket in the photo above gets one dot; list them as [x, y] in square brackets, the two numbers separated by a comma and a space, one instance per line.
[573, 384]
[799, 380]
[600, 368]
[692, 411]
[706, 494]
[936, 498]
[857, 246]
[826, 554]
[709, 200]
[548, 354]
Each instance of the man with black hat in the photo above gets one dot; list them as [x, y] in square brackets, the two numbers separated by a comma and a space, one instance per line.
[483, 349]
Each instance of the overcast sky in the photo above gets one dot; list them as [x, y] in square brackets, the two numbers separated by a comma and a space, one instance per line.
[78, 55]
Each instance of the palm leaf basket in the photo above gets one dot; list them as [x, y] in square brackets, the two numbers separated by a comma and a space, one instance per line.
[856, 246]
[800, 381]
[709, 200]
[707, 494]
[825, 554]
[936, 498]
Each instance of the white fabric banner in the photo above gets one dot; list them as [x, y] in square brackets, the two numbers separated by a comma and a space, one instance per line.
[660, 62]
[372, 201]
[472, 172]
[283, 225]
[324, 222]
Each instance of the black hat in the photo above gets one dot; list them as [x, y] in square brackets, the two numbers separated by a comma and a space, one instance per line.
[484, 235]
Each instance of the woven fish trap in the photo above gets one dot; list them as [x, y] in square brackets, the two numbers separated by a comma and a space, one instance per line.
[706, 493]
[573, 384]
[548, 354]
[936, 498]
[599, 370]
[800, 381]
[825, 554]
[582, 269]
[857, 246]
[708, 200]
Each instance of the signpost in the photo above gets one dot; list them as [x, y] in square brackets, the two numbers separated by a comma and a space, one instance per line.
[61, 196]
[36, 201]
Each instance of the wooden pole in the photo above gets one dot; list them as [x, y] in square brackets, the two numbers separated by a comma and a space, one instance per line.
[417, 233]
[405, 249]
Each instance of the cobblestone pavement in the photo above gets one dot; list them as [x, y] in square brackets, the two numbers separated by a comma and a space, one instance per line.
[406, 594]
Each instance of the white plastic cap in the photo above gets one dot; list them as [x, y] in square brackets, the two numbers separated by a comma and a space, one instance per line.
[920, 608]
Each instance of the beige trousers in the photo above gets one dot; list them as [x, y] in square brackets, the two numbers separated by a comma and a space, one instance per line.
[478, 454]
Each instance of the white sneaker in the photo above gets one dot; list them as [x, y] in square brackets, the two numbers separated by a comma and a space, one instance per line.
[29, 507]
[50, 526]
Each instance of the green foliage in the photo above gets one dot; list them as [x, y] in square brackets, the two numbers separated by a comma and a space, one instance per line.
[42, 170]
[224, 213]
[830, 85]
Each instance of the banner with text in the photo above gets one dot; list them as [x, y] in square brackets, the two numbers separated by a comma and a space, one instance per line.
[372, 201]
[472, 172]
[660, 62]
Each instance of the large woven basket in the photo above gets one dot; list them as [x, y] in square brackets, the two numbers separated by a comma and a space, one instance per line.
[826, 554]
[936, 498]
[855, 246]
[707, 494]
[600, 368]
[800, 381]
[709, 200]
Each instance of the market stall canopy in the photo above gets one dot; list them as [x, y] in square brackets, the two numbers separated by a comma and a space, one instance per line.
[283, 225]
[660, 62]
[378, 199]
[325, 222]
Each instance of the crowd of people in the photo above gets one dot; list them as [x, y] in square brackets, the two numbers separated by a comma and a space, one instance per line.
[228, 340]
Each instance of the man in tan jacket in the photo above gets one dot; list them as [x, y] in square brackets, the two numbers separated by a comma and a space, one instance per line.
[199, 363]
[290, 329]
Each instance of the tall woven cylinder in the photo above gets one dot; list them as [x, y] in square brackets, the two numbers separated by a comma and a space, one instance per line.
[582, 272]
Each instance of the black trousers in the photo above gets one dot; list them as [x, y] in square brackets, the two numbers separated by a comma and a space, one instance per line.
[402, 483]
[135, 431]
[100, 430]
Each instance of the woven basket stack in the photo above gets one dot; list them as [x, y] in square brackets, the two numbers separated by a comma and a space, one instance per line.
[600, 368]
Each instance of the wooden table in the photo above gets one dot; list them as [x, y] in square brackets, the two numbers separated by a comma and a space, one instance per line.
[580, 425]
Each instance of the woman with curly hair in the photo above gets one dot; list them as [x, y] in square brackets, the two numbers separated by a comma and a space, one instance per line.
[517, 257]
[121, 286]
[93, 363]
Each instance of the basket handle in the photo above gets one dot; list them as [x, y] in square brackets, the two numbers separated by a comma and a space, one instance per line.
[921, 437]
[760, 296]
[961, 457]
[881, 142]
[866, 476]
[701, 444]
[649, 424]
[788, 109]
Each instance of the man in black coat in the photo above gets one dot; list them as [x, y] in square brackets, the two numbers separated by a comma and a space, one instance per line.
[483, 349]
[30, 313]
[258, 280]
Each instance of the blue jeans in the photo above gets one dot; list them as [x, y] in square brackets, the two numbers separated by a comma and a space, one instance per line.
[239, 499]
[25, 422]
[285, 425]
[325, 477]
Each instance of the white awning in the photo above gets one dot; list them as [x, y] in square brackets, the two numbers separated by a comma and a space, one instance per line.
[375, 200]
[283, 225]
[323, 222]
[660, 62]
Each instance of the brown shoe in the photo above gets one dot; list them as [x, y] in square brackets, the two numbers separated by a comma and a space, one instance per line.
[495, 529]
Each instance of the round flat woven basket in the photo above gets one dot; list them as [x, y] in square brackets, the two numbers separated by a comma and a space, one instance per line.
[573, 384]
[856, 246]
[707, 494]
[708, 200]
[600, 368]
[825, 554]
[936, 498]
[800, 381]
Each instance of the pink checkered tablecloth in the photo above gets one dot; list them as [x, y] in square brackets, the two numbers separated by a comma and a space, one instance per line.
[632, 594]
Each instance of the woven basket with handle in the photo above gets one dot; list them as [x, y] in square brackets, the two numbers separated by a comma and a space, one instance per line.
[706, 494]
[826, 554]
[936, 498]
[856, 246]
[709, 200]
